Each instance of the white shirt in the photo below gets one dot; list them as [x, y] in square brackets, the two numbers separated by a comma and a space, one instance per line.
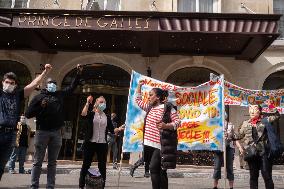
[229, 128]
[99, 128]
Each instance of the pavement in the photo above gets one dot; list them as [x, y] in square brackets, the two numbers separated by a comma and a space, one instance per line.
[182, 171]
[183, 177]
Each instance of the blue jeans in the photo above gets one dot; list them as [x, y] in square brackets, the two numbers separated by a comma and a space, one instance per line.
[113, 146]
[52, 141]
[218, 162]
[20, 153]
[7, 142]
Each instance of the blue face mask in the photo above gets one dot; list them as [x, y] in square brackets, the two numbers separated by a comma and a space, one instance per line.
[102, 106]
[51, 87]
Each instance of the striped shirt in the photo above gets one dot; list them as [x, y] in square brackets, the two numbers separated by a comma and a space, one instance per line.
[152, 133]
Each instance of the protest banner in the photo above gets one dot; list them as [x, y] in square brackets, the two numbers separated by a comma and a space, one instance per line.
[235, 95]
[201, 110]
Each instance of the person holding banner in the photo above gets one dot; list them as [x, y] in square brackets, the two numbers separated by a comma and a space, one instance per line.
[256, 145]
[230, 151]
[160, 135]
[95, 137]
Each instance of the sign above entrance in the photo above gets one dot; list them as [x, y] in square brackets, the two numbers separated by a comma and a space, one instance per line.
[85, 22]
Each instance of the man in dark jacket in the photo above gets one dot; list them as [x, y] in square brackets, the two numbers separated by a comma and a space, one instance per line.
[11, 99]
[47, 107]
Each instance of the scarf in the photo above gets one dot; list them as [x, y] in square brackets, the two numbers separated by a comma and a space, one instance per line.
[255, 120]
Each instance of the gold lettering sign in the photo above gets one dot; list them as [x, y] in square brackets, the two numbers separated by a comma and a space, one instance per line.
[45, 21]
[100, 23]
[88, 22]
[54, 22]
[79, 21]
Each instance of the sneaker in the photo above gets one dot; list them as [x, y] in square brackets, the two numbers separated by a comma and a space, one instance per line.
[114, 166]
[12, 171]
[147, 174]
[131, 170]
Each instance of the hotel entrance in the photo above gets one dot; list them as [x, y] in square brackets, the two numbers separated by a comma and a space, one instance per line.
[97, 80]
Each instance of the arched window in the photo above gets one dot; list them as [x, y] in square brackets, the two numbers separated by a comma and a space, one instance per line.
[22, 72]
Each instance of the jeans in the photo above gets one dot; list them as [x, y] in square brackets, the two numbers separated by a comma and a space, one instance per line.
[52, 141]
[114, 147]
[20, 153]
[264, 164]
[159, 176]
[219, 161]
[7, 142]
[90, 148]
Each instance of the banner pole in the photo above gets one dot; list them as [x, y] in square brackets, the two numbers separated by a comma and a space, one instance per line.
[224, 140]
[120, 168]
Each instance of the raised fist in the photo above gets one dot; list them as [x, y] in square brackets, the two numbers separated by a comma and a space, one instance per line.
[47, 67]
[90, 99]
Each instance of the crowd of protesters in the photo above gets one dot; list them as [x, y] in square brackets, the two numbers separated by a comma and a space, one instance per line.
[255, 138]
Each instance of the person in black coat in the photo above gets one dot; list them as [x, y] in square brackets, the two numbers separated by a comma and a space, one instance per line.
[47, 108]
[99, 124]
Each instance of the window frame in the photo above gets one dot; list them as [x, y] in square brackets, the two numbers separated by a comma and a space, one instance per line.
[216, 6]
[280, 40]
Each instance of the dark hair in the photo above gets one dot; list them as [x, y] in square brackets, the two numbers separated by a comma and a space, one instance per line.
[161, 94]
[10, 75]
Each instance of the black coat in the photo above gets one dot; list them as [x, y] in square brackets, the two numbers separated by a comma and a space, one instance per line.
[168, 139]
[89, 127]
[51, 116]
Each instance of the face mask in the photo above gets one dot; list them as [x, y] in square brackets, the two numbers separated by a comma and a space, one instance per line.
[8, 88]
[51, 87]
[102, 106]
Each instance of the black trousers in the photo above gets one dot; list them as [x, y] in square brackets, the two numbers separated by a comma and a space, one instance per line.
[90, 149]
[263, 164]
[159, 176]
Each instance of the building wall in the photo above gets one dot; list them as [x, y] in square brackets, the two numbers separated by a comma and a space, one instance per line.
[234, 6]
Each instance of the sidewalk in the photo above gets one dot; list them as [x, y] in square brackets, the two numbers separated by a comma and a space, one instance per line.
[182, 171]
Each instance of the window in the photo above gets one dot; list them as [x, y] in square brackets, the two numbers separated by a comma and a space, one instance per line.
[14, 3]
[197, 5]
[103, 5]
[278, 8]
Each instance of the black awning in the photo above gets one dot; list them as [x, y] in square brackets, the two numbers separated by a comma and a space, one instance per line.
[243, 36]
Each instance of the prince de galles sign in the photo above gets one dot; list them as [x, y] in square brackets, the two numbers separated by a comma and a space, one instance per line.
[106, 22]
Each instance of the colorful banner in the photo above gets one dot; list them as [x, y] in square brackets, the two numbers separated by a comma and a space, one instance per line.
[235, 95]
[201, 110]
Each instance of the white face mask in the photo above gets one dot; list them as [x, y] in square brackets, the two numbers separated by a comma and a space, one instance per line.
[8, 88]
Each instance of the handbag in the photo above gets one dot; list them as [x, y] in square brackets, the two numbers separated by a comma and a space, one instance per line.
[94, 180]
[251, 152]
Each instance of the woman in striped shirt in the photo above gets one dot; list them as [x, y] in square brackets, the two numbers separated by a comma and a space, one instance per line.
[154, 127]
